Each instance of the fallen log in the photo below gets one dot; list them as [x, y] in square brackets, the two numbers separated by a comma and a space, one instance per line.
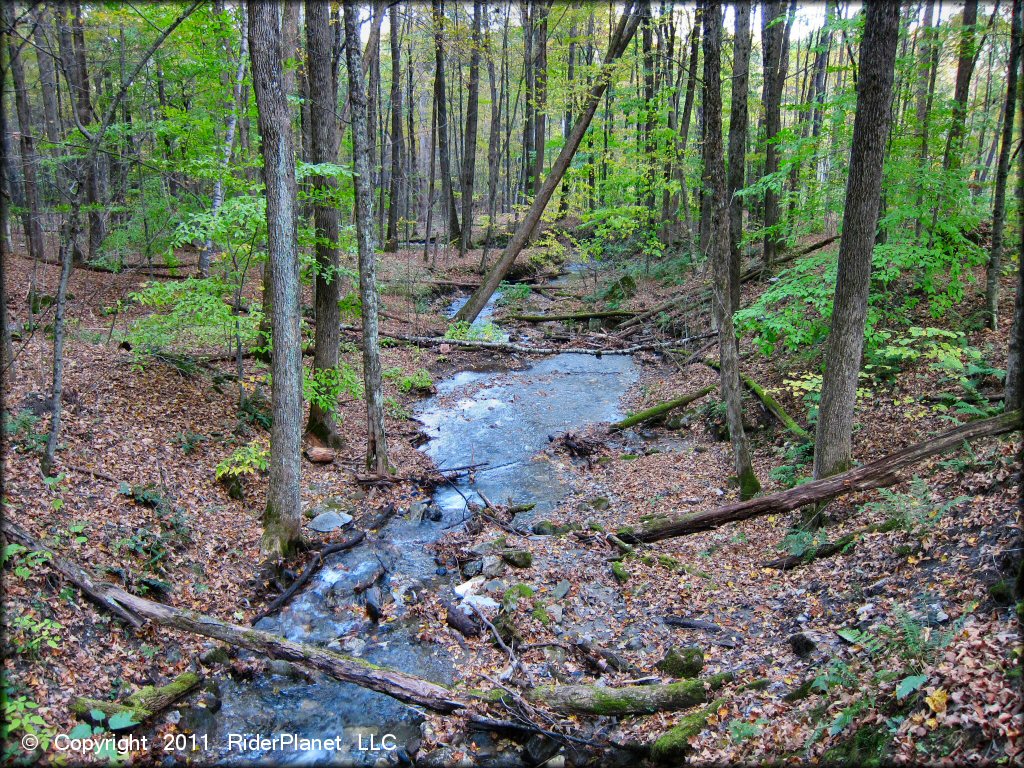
[628, 700]
[842, 545]
[508, 346]
[773, 406]
[572, 316]
[312, 568]
[96, 591]
[142, 704]
[674, 744]
[399, 685]
[876, 474]
[662, 408]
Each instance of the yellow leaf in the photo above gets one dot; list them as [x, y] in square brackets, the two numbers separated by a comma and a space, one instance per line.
[937, 700]
[931, 722]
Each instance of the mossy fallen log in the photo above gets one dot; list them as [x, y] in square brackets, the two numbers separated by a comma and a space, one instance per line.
[842, 545]
[773, 406]
[628, 700]
[876, 474]
[142, 704]
[672, 746]
[662, 408]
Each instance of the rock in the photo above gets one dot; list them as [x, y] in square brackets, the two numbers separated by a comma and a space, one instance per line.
[555, 612]
[600, 503]
[493, 567]
[544, 528]
[561, 589]
[416, 511]
[684, 662]
[802, 644]
[285, 669]
[472, 568]
[517, 558]
[326, 522]
[540, 749]
[471, 587]
[635, 643]
[319, 455]
[214, 656]
[434, 513]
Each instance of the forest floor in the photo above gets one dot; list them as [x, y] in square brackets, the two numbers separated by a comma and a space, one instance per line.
[907, 644]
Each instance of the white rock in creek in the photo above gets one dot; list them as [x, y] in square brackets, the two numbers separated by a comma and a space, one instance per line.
[330, 521]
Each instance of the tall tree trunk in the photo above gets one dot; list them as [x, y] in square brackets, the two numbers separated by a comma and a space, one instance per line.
[527, 11]
[1014, 399]
[397, 143]
[232, 110]
[469, 150]
[6, 347]
[927, 66]
[833, 442]
[738, 146]
[440, 104]
[540, 89]
[282, 519]
[323, 101]
[995, 260]
[719, 226]
[774, 34]
[680, 201]
[48, 86]
[624, 32]
[964, 71]
[497, 86]
[376, 446]
[29, 162]
[563, 198]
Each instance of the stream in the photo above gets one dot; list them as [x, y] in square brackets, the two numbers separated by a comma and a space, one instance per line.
[500, 418]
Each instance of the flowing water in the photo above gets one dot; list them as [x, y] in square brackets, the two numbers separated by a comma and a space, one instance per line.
[502, 419]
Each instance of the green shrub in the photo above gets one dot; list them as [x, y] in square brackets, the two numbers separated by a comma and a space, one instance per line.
[250, 459]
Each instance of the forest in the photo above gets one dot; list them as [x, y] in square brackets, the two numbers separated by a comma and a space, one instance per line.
[512, 383]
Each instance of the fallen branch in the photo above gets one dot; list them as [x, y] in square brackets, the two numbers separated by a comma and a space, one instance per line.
[774, 406]
[312, 568]
[673, 745]
[876, 474]
[142, 704]
[576, 316]
[507, 346]
[843, 545]
[662, 408]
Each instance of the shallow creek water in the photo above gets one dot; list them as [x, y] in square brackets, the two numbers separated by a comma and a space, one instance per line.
[502, 418]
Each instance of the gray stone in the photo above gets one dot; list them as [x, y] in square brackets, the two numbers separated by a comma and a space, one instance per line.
[326, 522]
[555, 612]
[472, 568]
[561, 589]
[416, 510]
[517, 558]
[493, 567]
[214, 656]
[600, 503]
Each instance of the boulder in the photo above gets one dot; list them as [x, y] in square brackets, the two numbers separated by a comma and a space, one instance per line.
[326, 522]
[683, 662]
[517, 558]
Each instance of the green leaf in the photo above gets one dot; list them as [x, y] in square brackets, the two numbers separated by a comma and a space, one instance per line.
[850, 635]
[98, 715]
[910, 684]
[81, 731]
[122, 720]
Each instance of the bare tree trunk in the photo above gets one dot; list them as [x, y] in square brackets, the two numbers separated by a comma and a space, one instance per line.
[927, 67]
[738, 146]
[1015, 359]
[6, 347]
[48, 84]
[719, 229]
[230, 127]
[774, 33]
[469, 150]
[833, 440]
[995, 260]
[497, 86]
[282, 519]
[540, 88]
[31, 218]
[376, 446]
[397, 143]
[68, 245]
[323, 100]
[444, 151]
[628, 23]
[964, 71]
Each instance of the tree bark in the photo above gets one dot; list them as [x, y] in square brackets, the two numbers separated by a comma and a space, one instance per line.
[441, 106]
[282, 519]
[833, 440]
[397, 141]
[48, 83]
[469, 149]
[626, 28]
[376, 446]
[964, 71]
[32, 222]
[738, 146]
[876, 474]
[773, 31]
[1015, 358]
[719, 242]
[323, 101]
[995, 260]
[662, 408]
